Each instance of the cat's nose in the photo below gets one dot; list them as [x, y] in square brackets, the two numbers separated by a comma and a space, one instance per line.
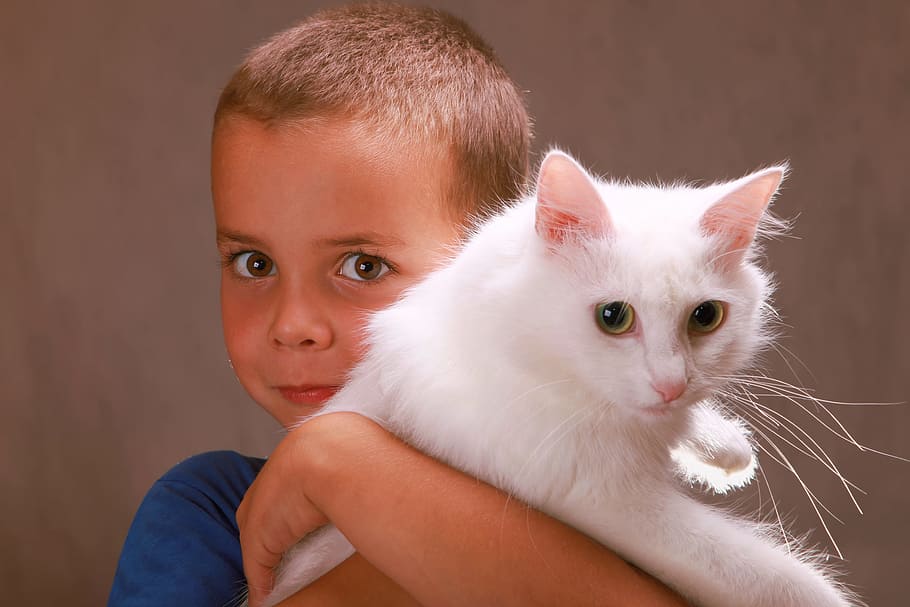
[670, 389]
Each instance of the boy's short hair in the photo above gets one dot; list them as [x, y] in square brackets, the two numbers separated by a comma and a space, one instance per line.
[419, 75]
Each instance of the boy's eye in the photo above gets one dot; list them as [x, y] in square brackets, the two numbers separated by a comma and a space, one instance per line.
[363, 267]
[254, 264]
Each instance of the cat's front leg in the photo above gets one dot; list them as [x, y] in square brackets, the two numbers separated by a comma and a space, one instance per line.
[711, 558]
[717, 451]
[735, 562]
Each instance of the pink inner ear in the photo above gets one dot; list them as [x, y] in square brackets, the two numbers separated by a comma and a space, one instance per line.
[568, 204]
[555, 225]
[734, 218]
[734, 222]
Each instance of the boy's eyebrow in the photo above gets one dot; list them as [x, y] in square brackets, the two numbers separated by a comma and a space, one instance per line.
[355, 240]
[224, 236]
[350, 240]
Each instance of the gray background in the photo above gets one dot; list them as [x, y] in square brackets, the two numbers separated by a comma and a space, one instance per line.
[112, 366]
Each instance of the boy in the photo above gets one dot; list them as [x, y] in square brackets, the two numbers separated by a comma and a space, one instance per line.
[349, 154]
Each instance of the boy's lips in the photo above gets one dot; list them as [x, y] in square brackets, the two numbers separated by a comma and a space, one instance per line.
[307, 394]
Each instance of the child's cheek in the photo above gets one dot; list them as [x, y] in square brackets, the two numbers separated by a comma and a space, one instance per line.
[245, 326]
[351, 322]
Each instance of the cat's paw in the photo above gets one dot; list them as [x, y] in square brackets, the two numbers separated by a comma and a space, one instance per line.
[718, 453]
[735, 458]
[721, 472]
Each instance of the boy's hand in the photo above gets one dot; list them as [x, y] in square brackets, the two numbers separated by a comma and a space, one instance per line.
[274, 515]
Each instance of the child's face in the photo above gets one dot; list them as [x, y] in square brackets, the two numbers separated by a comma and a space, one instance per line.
[316, 229]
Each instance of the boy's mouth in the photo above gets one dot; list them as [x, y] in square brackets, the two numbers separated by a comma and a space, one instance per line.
[307, 394]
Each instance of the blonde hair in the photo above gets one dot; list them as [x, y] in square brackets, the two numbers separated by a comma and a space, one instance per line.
[416, 74]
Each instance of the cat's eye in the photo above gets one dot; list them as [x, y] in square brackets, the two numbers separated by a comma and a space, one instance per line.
[706, 317]
[363, 267]
[254, 264]
[615, 317]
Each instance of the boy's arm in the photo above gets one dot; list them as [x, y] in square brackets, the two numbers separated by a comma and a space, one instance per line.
[353, 583]
[444, 537]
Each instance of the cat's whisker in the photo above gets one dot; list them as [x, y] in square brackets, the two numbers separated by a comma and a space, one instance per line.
[835, 403]
[752, 419]
[820, 455]
[848, 437]
[747, 399]
[240, 599]
[830, 466]
[803, 392]
[781, 349]
[770, 420]
[780, 521]
[813, 500]
[786, 360]
[765, 412]
[817, 453]
[795, 396]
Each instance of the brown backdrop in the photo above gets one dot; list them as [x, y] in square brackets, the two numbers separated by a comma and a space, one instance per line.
[111, 362]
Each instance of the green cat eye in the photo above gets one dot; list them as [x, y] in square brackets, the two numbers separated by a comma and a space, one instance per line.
[706, 317]
[615, 317]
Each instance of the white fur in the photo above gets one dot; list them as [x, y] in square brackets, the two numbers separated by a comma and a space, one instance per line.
[503, 342]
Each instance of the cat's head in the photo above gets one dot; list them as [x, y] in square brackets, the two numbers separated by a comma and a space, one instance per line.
[660, 300]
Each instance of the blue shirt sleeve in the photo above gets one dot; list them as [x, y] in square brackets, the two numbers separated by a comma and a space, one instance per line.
[183, 547]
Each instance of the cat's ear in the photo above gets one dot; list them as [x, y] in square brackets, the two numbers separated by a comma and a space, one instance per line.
[568, 204]
[734, 219]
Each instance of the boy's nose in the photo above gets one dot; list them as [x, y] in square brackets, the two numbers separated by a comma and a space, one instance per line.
[299, 323]
[291, 335]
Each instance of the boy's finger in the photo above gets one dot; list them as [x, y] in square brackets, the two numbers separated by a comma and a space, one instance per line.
[243, 509]
[259, 580]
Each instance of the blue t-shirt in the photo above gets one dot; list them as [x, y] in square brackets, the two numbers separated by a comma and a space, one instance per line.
[183, 547]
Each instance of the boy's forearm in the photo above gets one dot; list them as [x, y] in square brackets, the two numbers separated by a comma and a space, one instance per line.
[449, 539]
[353, 583]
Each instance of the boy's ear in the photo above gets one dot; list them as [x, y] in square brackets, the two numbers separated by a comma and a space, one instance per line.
[568, 205]
[733, 220]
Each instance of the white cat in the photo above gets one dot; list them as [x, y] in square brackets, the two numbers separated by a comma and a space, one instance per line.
[591, 323]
